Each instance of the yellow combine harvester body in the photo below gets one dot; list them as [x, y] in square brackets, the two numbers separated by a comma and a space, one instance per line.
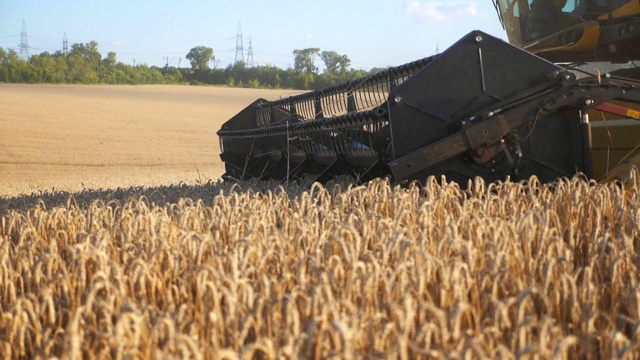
[573, 31]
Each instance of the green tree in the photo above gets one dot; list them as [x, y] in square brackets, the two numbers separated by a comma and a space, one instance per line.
[4, 74]
[110, 60]
[240, 73]
[80, 71]
[304, 60]
[84, 63]
[374, 70]
[88, 52]
[334, 63]
[200, 57]
[268, 76]
[302, 80]
[17, 70]
[172, 75]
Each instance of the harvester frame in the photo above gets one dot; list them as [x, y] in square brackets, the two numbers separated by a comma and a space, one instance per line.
[481, 108]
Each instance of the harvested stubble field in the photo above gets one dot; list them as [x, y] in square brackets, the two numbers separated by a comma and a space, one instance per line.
[74, 137]
[215, 270]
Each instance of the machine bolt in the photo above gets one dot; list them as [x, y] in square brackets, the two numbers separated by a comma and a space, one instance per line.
[479, 38]
[398, 99]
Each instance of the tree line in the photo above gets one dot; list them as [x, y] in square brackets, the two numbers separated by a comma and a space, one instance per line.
[84, 64]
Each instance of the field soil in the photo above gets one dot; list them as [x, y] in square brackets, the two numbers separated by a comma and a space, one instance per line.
[75, 137]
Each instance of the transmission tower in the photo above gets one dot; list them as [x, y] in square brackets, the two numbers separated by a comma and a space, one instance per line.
[239, 50]
[65, 45]
[24, 42]
[250, 54]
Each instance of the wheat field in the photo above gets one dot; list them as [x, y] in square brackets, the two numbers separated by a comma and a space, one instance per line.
[122, 261]
[507, 270]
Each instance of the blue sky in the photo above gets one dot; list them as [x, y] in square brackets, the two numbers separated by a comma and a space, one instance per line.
[371, 33]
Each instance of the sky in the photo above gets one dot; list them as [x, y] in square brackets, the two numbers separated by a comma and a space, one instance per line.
[372, 33]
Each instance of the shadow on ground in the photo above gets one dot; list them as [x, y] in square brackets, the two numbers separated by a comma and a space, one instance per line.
[160, 195]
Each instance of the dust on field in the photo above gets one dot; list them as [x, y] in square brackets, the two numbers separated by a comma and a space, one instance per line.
[72, 137]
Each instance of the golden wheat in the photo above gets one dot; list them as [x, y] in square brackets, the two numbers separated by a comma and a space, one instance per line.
[504, 270]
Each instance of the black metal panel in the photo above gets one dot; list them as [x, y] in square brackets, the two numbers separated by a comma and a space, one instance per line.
[245, 119]
[475, 72]
[554, 147]
[550, 147]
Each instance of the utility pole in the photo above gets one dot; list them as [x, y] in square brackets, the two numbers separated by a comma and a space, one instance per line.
[250, 54]
[65, 45]
[239, 50]
[24, 42]
[179, 61]
[166, 67]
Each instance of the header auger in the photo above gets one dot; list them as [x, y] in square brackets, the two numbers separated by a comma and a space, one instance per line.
[481, 108]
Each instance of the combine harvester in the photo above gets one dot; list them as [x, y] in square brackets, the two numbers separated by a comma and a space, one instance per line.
[483, 108]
